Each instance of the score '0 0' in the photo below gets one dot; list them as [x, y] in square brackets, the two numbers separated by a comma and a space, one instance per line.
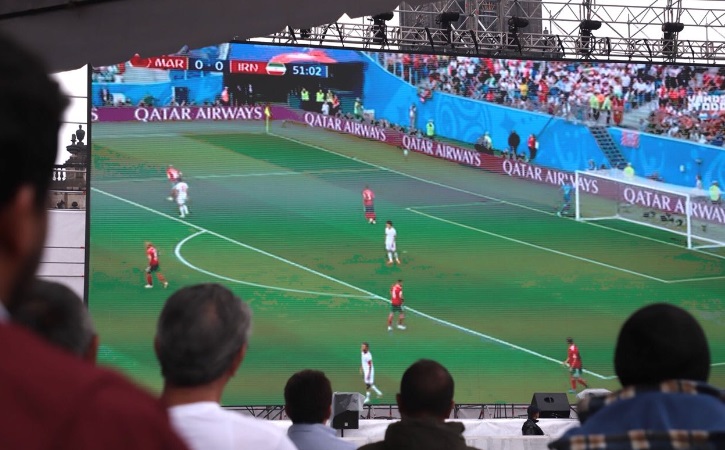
[199, 65]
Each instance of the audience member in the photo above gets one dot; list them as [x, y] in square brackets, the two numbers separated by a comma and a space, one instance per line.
[425, 402]
[308, 403]
[56, 313]
[530, 427]
[50, 398]
[662, 360]
[201, 340]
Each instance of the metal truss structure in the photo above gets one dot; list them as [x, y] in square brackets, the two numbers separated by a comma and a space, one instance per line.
[388, 412]
[597, 30]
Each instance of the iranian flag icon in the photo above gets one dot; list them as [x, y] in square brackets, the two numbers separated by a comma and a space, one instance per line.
[275, 68]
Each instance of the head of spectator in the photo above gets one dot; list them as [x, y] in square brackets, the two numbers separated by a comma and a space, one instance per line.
[308, 397]
[425, 402]
[56, 313]
[661, 342]
[532, 412]
[308, 403]
[43, 388]
[426, 391]
[201, 340]
[31, 114]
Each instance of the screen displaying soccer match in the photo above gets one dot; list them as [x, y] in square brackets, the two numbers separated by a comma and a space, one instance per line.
[474, 211]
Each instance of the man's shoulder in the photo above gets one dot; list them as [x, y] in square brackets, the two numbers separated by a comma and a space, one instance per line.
[73, 402]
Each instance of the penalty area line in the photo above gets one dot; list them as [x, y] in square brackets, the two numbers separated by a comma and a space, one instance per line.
[538, 247]
[343, 283]
[476, 194]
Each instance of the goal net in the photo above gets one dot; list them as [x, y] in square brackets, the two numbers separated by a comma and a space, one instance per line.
[609, 194]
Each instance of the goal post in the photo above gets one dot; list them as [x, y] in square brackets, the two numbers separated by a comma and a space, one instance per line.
[611, 195]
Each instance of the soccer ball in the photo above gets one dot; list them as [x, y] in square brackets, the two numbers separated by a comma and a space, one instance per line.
[405, 152]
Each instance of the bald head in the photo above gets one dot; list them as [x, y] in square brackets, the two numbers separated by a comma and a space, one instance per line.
[426, 390]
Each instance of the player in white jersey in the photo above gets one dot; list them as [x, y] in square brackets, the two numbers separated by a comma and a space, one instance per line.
[390, 235]
[181, 194]
[368, 371]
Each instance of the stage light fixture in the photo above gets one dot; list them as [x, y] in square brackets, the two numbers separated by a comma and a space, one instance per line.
[585, 35]
[514, 24]
[380, 29]
[305, 33]
[669, 32]
[446, 20]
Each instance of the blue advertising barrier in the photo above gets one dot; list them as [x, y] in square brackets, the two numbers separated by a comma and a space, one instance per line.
[563, 145]
[201, 89]
[674, 160]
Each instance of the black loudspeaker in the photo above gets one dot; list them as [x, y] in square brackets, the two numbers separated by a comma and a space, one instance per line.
[551, 405]
[346, 408]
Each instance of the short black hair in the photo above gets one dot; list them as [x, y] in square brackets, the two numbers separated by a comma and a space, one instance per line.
[426, 388]
[57, 314]
[661, 342]
[31, 111]
[389, 222]
[308, 396]
[200, 331]
[532, 410]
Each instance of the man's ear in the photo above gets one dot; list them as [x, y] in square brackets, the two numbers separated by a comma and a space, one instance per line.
[92, 351]
[238, 360]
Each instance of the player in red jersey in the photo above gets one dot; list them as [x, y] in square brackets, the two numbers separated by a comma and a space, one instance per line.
[153, 256]
[574, 363]
[172, 174]
[396, 300]
[369, 204]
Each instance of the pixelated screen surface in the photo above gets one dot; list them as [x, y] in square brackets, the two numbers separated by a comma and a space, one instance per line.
[466, 156]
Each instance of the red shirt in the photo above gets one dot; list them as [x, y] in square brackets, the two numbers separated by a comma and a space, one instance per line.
[396, 294]
[368, 197]
[52, 399]
[172, 173]
[573, 357]
[153, 255]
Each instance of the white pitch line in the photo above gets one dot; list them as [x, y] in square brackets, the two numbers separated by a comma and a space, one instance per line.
[528, 244]
[453, 188]
[718, 364]
[327, 277]
[242, 175]
[452, 205]
[688, 280]
[177, 252]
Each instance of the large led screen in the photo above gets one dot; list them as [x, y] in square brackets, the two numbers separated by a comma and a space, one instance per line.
[466, 157]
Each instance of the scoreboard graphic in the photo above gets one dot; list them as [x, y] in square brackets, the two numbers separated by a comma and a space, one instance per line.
[232, 66]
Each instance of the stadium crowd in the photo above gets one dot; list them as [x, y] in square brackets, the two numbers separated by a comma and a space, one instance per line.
[672, 97]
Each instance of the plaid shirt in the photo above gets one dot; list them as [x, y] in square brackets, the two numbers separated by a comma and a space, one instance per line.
[637, 438]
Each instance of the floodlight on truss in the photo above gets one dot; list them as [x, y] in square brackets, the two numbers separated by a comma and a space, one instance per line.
[669, 37]
[446, 20]
[380, 29]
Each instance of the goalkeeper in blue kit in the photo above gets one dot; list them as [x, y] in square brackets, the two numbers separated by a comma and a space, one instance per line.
[566, 189]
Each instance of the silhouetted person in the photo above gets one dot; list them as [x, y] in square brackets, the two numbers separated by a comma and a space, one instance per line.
[662, 360]
[50, 398]
[201, 340]
[530, 427]
[57, 314]
[425, 402]
[308, 403]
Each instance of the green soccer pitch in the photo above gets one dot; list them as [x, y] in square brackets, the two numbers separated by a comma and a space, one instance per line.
[494, 281]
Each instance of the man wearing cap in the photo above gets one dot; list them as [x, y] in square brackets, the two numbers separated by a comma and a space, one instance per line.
[530, 428]
[662, 360]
